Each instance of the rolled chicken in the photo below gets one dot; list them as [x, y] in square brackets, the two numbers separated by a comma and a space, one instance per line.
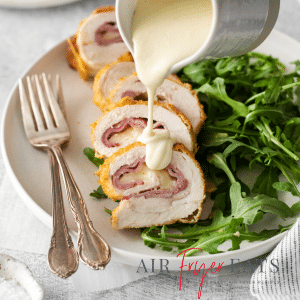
[123, 125]
[172, 91]
[96, 43]
[108, 77]
[149, 197]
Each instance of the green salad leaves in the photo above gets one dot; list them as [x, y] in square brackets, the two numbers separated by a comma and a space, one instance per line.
[90, 154]
[253, 121]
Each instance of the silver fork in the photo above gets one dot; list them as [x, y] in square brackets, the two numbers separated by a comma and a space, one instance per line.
[46, 128]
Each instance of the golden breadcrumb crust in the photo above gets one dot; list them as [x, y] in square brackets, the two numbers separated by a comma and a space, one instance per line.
[128, 101]
[73, 56]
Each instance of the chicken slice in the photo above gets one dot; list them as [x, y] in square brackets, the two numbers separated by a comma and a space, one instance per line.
[96, 43]
[123, 126]
[149, 197]
[172, 91]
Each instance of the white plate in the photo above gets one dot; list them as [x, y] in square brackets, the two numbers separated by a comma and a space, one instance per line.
[33, 3]
[28, 168]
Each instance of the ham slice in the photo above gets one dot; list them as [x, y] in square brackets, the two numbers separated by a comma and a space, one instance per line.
[96, 43]
[172, 91]
[122, 126]
[150, 197]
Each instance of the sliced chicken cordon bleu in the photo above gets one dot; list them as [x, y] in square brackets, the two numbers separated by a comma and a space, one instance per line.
[96, 43]
[172, 91]
[108, 77]
[123, 126]
[149, 197]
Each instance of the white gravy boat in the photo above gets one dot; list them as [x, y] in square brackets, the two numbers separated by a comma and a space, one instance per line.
[238, 26]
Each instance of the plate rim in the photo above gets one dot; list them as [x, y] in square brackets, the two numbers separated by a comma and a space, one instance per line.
[119, 255]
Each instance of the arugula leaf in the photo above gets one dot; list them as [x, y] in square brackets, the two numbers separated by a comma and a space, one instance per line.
[90, 153]
[152, 236]
[296, 209]
[108, 211]
[219, 160]
[99, 194]
[273, 90]
[292, 132]
[263, 183]
[234, 144]
[285, 228]
[218, 90]
[219, 221]
[200, 72]
[264, 127]
[211, 242]
[250, 209]
[286, 187]
[219, 202]
[297, 65]
[231, 65]
[271, 113]
[217, 139]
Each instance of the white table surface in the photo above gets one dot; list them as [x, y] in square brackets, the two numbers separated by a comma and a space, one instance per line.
[26, 34]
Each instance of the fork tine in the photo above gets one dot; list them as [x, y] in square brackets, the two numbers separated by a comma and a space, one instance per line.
[56, 111]
[60, 96]
[28, 122]
[47, 116]
[34, 105]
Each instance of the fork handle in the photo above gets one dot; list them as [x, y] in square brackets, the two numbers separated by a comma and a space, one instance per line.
[62, 256]
[92, 248]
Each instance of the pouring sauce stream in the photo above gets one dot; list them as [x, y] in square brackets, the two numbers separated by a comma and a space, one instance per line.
[165, 32]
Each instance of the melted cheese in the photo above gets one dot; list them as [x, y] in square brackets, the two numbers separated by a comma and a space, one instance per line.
[127, 135]
[152, 179]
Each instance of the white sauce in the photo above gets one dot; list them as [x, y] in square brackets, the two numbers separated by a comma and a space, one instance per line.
[11, 290]
[165, 32]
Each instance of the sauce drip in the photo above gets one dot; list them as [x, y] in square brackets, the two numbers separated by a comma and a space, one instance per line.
[165, 32]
